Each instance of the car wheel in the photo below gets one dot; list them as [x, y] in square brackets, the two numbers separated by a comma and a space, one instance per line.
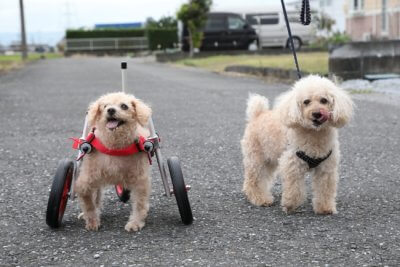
[296, 42]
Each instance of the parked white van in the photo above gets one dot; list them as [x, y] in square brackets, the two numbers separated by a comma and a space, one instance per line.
[269, 23]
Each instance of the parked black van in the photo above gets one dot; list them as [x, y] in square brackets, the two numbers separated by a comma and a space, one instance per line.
[224, 31]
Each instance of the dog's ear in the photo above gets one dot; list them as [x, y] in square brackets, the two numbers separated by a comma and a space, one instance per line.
[289, 109]
[141, 111]
[342, 108]
[94, 113]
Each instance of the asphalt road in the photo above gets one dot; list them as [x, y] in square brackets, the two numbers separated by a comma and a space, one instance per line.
[200, 117]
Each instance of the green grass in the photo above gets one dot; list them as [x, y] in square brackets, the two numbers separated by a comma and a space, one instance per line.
[9, 62]
[361, 91]
[316, 62]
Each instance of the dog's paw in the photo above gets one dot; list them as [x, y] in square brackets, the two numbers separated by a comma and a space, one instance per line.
[261, 201]
[80, 216]
[324, 207]
[134, 226]
[288, 209]
[325, 211]
[92, 224]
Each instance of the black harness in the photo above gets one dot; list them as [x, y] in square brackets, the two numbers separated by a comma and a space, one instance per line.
[312, 162]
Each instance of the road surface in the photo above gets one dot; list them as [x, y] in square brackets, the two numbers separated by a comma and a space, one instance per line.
[200, 117]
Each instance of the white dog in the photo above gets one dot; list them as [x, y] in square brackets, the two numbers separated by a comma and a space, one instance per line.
[298, 136]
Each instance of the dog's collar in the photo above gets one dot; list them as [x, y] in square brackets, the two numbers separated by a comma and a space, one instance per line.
[312, 162]
[93, 141]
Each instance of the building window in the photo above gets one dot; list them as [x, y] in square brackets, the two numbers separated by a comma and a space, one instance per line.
[358, 4]
[384, 16]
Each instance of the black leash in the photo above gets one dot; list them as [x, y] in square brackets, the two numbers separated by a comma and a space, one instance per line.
[305, 19]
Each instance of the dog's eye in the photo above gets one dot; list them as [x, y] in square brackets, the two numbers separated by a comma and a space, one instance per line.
[323, 100]
[307, 101]
[124, 107]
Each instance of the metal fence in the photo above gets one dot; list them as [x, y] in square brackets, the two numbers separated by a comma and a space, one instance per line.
[110, 44]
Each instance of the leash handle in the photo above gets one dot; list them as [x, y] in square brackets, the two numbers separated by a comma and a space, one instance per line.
[305, 15]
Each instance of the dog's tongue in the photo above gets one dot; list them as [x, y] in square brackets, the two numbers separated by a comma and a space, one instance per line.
[326, 115]
[112, 124]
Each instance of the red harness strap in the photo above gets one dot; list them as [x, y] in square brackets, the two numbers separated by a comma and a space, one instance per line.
[136, 147]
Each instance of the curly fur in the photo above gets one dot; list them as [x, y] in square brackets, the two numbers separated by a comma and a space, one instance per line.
[272, 138]
[99, 170]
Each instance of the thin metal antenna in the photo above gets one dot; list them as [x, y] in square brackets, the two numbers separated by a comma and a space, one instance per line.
[124, 66]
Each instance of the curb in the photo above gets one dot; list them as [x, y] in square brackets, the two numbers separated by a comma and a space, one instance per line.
[164, 57]
[265, 72]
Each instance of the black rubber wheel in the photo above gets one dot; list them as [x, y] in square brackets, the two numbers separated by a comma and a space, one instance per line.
[122, 193]
[297, 43]
[180, 191]
[59, 193]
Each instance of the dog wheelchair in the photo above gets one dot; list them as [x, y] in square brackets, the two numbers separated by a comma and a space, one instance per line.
[62, 188]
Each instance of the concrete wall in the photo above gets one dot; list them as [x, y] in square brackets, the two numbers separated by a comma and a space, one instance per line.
[354, 60]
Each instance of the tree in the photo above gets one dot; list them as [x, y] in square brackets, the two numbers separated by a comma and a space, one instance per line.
[151, 23]
[165, 22]
[194, 16]
[325, 23]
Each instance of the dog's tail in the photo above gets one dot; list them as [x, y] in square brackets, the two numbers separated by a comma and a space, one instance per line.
[256, 104]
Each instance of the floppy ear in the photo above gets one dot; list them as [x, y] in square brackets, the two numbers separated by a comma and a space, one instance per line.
[93, 113]
[289, 109]
[342, 108]
[142, 112]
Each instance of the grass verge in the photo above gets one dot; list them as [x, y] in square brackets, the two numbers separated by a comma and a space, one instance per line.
[10, 62]
[316, 62]
[361, 91]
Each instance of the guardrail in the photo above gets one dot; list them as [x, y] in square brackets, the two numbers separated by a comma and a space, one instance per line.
[113, 44]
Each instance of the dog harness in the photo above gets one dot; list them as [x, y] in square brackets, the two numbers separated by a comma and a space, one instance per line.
[85, 146]
[312, 162]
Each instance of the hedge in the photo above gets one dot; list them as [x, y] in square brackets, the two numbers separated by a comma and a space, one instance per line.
[157, 38]
[162, 38]
[105, 33]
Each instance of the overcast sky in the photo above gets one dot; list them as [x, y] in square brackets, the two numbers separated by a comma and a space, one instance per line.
[53, 16]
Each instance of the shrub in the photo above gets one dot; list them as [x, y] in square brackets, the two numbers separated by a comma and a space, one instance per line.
[157, 38]
[162, 38]
[337, 38]
[105, 33]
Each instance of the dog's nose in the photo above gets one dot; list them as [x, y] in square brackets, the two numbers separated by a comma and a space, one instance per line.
[317, 115]
[111, 111]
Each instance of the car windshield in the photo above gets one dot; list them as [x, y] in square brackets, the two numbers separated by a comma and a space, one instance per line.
[235, 23]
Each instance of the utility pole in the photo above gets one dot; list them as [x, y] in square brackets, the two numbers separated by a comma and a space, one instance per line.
[23, 34]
